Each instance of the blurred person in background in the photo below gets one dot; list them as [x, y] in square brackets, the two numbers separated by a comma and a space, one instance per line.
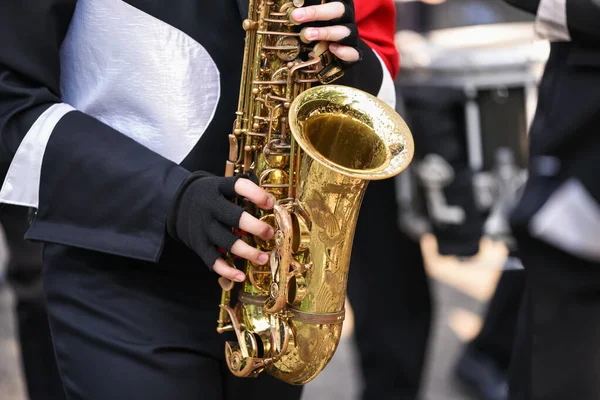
[393, 307]
[24, 277]
[557, 222]
[387, 285]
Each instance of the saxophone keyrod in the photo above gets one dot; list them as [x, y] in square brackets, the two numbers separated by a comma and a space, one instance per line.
[291, 34]
[276, 21]
[279, 154]
[256, 134]
[269, 82]
[314, 80]
[247, 158]
[224, 322]
[274, 186]
[222, 328]
[280, 48]
[279, 98]
[277, 14]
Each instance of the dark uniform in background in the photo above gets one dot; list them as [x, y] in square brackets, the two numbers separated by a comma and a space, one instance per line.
[557, 222]
[387, 285]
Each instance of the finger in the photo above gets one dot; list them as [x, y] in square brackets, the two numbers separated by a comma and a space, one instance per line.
[328, 34]
[227, 212]
[244, 250]
[323, 12]
[222, 268]
[226, 186]
[344, 53]
[221, 236]
[256, 227]
[248, 189]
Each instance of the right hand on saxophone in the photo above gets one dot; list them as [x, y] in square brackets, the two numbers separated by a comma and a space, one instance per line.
[203, 214]
[330, 22]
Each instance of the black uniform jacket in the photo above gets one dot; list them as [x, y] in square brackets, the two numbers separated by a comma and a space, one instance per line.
[581, 15]
[107, 105]
[577, 18]
[561, 204]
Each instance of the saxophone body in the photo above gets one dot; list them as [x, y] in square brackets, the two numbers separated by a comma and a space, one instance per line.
[314, 147]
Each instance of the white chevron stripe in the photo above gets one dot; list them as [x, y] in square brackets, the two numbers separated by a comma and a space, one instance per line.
[22, 183]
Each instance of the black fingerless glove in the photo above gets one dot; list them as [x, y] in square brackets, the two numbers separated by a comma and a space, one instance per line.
[348, 20]
[202, 215]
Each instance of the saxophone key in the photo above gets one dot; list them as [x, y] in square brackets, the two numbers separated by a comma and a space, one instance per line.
[249, 25]
[233, 148]
[229, 168]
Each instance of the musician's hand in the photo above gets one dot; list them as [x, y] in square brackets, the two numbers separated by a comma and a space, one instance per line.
[248, 189]
[332, 22]
[203, 215]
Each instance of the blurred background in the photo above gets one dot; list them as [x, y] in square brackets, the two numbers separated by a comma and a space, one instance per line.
[467, 88]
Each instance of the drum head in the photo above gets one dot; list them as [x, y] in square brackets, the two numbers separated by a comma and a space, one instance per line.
[472, 48]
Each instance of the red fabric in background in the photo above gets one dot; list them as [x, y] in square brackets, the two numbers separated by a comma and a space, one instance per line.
[376, 21]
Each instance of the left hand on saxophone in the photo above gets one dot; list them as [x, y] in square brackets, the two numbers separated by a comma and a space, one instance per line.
[332, 22]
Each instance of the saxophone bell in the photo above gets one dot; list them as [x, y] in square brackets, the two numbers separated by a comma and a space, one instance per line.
[351, 132]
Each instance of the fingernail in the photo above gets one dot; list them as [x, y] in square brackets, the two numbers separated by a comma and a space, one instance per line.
[299, 14]
[240, 278]
[311, 34]
[334, 46]
[271, 201]
[263, 258]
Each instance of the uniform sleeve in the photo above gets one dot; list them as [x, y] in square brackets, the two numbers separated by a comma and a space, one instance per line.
[92, 186]
[551, 21]
[582, 19]
[376, 21]
[564, 20]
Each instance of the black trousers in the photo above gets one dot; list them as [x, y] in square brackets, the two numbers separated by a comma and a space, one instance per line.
[390, 296]
[557, 353]
[24, 275]
[126, 331]
[497, 336]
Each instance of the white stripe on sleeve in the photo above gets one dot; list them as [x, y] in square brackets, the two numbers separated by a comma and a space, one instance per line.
[387, 92]
[551, 21]
[22, 183]
[570, 221]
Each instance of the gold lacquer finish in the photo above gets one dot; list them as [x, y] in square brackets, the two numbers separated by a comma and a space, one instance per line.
[314, 148]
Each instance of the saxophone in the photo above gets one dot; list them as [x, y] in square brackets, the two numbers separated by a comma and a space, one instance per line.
[314, 147]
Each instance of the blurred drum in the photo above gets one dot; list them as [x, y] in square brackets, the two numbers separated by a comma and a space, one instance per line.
[496, 69]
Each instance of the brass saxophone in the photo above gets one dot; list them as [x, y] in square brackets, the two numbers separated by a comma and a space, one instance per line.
[314, 148]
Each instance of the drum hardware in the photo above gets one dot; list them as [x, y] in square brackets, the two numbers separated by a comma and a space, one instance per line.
[436, 173]
[508, 183]
[411, 218]
[498, 67]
